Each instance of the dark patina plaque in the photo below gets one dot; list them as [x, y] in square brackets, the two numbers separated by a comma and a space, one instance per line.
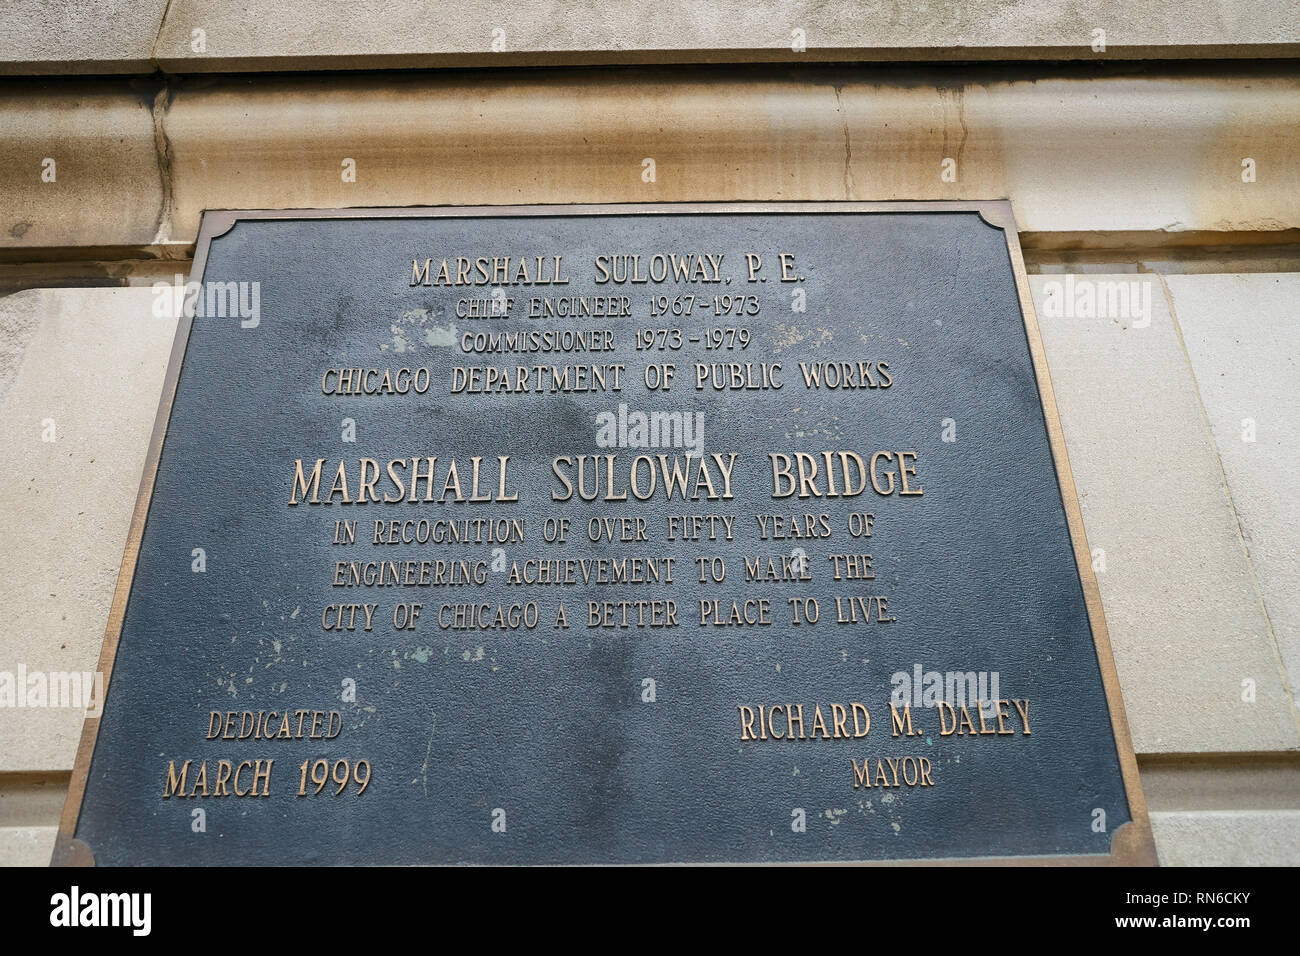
[610, 534]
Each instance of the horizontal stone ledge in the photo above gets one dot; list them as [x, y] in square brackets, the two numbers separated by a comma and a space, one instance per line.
[187, 36]
[285, 63]
[188, 66]
[1136, 153]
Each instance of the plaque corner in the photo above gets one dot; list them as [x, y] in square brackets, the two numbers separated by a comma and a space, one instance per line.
[69, 851]
[217, 222]
[998, 214]
[1133, 844]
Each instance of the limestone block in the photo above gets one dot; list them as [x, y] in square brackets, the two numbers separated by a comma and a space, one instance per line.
[1184, 615]
[90, 379]
[407, 33]
[78, 165]
[1228, 838]
[26, 846]
[1072, 156]
[1242, 334]
[75, 36]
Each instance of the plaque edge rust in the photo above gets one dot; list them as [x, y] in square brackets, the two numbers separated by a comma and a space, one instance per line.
[1132, 843]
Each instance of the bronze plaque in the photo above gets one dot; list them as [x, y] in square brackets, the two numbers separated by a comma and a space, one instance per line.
[608, 534]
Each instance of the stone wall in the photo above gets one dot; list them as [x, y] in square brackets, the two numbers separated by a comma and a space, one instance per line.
[1139, 164]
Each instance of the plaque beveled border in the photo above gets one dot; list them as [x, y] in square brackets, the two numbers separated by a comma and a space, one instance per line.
[1131, 844]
